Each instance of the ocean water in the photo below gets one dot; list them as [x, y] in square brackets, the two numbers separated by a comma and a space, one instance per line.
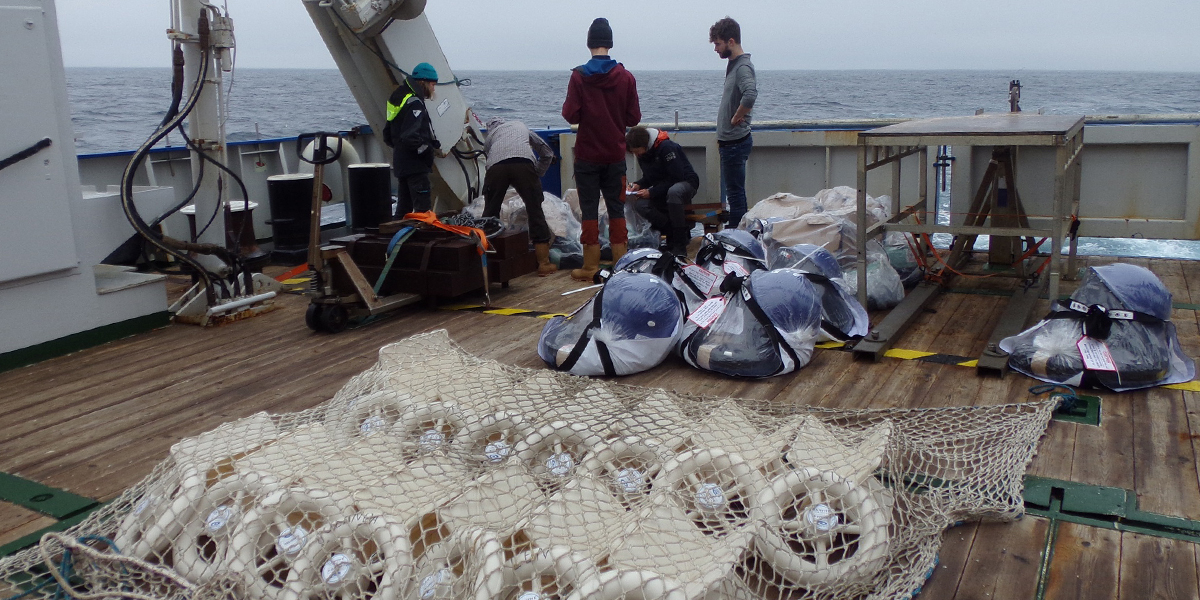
[116, 109]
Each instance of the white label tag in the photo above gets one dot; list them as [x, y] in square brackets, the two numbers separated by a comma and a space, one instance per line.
[1096, 356]
[735, 268]
[443, 107]
[708, 312]
[703, 278]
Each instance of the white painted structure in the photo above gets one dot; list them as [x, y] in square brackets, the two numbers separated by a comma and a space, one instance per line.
[53, 235]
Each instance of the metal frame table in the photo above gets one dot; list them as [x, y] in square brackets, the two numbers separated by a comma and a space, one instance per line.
[888, 145]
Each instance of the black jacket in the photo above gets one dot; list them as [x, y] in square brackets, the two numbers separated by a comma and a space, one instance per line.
[409, 131]
[664, 165]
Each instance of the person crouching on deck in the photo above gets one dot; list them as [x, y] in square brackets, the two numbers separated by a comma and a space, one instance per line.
[410, 134]
[518, 157]
[668, 183]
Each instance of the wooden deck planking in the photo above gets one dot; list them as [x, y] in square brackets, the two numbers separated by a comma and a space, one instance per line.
[952, 562]
[1164, 460]
[1004, 560]
[1086, 564]
[17, 522]
[284, 367]
[1104, 454]
[1154, 568]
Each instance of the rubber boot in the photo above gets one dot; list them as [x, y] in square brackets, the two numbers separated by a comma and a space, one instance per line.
[680, 230]
[591, 264]
[619, 250]
[545, 267]
[677, 241]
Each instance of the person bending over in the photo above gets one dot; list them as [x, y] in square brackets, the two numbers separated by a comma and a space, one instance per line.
[518, 157]
[668, 183]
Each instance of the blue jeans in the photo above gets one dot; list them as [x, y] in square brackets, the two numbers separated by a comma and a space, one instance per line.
[733, 178]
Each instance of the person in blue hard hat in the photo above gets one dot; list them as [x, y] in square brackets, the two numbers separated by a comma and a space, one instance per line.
[410, 134]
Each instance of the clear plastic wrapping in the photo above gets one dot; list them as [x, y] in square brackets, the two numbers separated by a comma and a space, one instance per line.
[828, 219]
[731, 251]
[884, 288]
[629, 326]
[842, 317]
[1124, 310]
[692, 286]
[778, 339]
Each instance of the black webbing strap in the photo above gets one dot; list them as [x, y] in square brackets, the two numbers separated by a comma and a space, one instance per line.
[734, 284]
[831, 330]
[762, 317]
[668, 268]
[24, 154]
[1098, 319]
[581, 343]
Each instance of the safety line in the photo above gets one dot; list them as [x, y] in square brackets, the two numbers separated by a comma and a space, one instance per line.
[507, 312]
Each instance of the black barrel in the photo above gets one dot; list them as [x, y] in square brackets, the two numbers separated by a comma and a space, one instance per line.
[370, 195]
[290, 197]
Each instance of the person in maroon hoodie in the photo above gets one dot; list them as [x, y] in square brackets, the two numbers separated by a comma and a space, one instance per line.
[602, 99]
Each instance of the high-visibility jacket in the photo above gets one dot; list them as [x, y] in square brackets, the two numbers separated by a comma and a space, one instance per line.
[409, 131]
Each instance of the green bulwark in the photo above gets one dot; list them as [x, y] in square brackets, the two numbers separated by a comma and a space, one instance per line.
[83, 340]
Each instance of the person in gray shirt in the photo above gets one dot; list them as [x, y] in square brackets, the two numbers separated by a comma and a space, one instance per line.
[733, 117]
[518, 158]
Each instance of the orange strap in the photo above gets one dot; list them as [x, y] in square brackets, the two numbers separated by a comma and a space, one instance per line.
[430, 218]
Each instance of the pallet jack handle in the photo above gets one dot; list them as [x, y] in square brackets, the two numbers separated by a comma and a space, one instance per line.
[322, 154]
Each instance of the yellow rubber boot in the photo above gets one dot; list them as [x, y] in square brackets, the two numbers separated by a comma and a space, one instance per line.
[545, 267]
[591, 264]
[619, 250]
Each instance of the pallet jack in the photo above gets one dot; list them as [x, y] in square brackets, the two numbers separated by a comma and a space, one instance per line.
[330, 308]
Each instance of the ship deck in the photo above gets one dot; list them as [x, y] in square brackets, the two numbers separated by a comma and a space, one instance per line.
[95, 422]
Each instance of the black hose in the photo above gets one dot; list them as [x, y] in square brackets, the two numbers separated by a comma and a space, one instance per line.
[135, 162]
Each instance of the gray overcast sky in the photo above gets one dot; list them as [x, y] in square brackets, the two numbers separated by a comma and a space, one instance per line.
[1154, 35]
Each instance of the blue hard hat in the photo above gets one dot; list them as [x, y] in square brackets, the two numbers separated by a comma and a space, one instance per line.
[787, 298]
[640, 305]
[806, 257]
[743, 242]
[425, 71]
[640, 260]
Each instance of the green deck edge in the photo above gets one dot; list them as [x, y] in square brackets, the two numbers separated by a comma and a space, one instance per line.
[1100, 506]
[83, 340]
[1086, 411]
[44, 499]
[24, 542]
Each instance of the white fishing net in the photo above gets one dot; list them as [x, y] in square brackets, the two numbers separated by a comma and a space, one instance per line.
[438, 475]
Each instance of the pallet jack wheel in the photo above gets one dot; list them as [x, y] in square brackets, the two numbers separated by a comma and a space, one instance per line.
[312, 317]
[334, 318]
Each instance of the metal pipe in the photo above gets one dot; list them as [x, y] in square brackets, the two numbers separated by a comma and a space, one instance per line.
[235, 304]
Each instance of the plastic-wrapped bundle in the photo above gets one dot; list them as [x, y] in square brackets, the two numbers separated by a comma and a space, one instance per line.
[691, 282]
[731, 251]
[641, 235]
[903, 259]
[629, 326]
[563, 223]
[1119, 316]
[884, 288]
[768, 326]
[842, 317]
